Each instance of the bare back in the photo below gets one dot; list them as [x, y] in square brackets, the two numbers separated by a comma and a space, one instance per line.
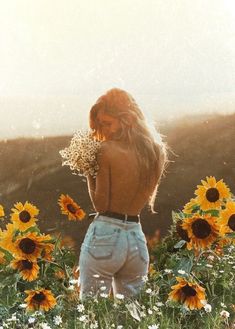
[127, 194]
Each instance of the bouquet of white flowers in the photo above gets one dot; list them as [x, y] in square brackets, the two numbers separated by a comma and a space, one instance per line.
[81, 154]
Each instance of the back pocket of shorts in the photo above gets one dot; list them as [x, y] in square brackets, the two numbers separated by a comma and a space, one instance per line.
[103, 242]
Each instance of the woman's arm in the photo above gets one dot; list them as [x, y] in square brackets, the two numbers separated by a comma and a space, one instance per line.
[99, 187]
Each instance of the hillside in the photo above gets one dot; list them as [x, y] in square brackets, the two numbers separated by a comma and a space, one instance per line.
[30, 169]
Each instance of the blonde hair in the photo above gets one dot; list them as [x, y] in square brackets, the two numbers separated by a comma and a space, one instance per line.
[136, 131]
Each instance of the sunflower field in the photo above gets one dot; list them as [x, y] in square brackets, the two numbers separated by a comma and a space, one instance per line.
[190, 282]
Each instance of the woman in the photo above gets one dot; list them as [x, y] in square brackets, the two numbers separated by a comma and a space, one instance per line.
[131, 162]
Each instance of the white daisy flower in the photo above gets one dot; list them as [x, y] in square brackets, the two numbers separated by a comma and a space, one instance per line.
[207, 308]
[224, 314]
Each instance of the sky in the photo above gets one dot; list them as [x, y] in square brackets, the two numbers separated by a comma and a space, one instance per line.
[176, 57]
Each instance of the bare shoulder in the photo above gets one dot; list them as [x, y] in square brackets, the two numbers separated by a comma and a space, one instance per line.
[108, 148]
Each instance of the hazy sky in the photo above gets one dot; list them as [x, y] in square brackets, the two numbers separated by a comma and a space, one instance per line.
[57, 57]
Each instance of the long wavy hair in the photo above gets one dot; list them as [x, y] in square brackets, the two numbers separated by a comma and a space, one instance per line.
[136, 131]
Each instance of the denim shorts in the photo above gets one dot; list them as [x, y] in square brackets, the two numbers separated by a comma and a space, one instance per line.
[114, 255]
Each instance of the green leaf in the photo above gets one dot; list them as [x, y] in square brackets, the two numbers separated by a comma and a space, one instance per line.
[179, 244]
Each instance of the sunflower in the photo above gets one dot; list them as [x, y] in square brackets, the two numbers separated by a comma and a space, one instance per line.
[71, 208]
[23, 216]
[28, 269]
[210, 194]
[40, 299]
[202, 230]
[181, 232]
[6, 236]
[190, 206]
[190, 294]
[2, 213]
[227, 218]
[29, 246]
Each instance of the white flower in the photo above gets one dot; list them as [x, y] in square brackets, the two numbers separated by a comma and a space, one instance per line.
[82, 318]
[155, 308]
[103, 294]
[145, 278]
[148, 291]
[31, 319]
[57, 320]
[223, 305]
[103, 288]
[96, 275]
[143, 314]
[154, 326]
[207, 308]
[209, 265]
[119, 326]
[159, 304]
[24, 305]
[73, 281]
[94, 325]
[224, 314]
[181, 272]
[150, 311]
[221, 271]
[44, 325]
[119, 296]
[80, 307]
[211, 257]
[168, 271]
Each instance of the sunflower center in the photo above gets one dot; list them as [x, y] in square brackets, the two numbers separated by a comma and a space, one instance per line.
[26, 264]
[201, 228]
[189, 291]
[27, 245]
[212, 194]
[182, 233]
[231, 222]
[39, 297]
[71, 208]
[25, 216]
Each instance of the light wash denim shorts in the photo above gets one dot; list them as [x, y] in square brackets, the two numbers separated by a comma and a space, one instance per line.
[114, 255]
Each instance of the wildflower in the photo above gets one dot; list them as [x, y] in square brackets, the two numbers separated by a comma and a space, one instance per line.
[223, 305]
[148, 291]
[81, 153]
[70, 208]
[23, 215]
[119, 296]
[228, 218]
[168, 271]
[145, 278]
[207, 308]
[94, 325]
[29, 246]
[82, 318]
[45, 325]
[203, 230]
[188, 293]
[57, 320]
[103, 288]
[27, 269]
[80, 308]
[181, 272]
[104, 295]
[225, 314]
[31, 319]
[23, 305]
[159, 304]
[209, 265]
[150, 311]
[42, 299]
[210, 194]
[190, 206]
[154, 326]
[119, 326]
